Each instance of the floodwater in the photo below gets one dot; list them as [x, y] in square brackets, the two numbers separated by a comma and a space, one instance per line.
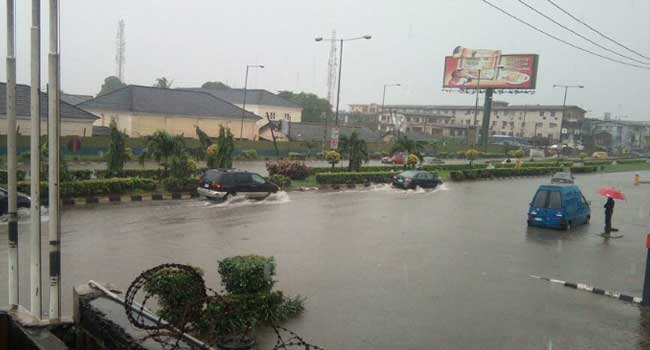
[389, 269]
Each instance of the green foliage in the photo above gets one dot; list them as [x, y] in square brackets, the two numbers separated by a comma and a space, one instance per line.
[357, 151]
[246, 274]
[161, 146]
[163, 83]
[313, 106]
[178, 295]
[81, 174]
[204, 141]
[219, 155]
[173, 184]
[117, 154]
[292, 170]
[471, 155]
[215, 85]
[145, 173]
[110, 84]
[282, 181]
[20, 175]
[412, 160]
[518, 153]
[582, 155]
[97, 187]
[475, 174]
[355, 178]
[180, 167]
[333, 157]
[249, 154]
[584, 169]
[404, 144]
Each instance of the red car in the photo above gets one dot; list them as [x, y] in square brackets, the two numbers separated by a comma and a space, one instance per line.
[398, 159]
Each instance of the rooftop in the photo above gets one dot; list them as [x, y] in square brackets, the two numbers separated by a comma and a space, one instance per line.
[147, 99]
[75, 99]
[253, 97]
[23, 102]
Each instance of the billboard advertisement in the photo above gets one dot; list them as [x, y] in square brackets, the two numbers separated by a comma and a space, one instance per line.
[496, 70]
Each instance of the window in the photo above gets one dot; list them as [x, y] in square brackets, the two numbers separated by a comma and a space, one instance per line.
[287, 116]
[552, 125]
[540, 199]
[555, 200]
[504, 124]
[506, 113]
[552, 114]
[243, 178]
[543, 118]
[258, 179]
[541, 113]
[523, 124]
[270, 115]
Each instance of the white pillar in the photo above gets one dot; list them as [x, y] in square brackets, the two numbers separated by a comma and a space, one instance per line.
[35, 158]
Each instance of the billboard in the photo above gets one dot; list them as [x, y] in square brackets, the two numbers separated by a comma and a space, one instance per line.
[496, 70]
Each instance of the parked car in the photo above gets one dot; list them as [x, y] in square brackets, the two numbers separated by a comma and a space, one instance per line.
[411, 179]
[432, 160]
[22, 201]
[396, 159]
[558, 206]
[562, 178]
[224, 183]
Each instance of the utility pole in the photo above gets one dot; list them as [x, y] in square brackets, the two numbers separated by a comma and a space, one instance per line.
[566, 88]
[36, 294]
[478, 92]
[11, 156]
[54, 153]
[487, 109]
[243, 111]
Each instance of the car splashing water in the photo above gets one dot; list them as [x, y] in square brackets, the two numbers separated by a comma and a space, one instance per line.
[279, 197]
[24, 216]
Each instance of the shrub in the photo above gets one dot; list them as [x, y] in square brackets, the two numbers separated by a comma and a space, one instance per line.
[97, 187]
[181, 167]
[81, 174]
[173, 184]
[519, 153]
[20, 175]
[584, 169]
[332, 157]
[292, 170]
[354, 178]
[246, 274]
[282, 181]
[179, 296]
[296, 156]
[474, 174]
[144, 173]
[471, 155]
[412, 160]
[249, 154]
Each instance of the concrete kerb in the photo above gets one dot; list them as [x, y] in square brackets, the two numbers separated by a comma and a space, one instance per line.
[158, 196]
[594, 290]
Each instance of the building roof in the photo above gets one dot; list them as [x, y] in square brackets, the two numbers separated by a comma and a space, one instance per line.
[146, 99]
[316, 131]
[75, 99]
[23, 101]
[253, 97]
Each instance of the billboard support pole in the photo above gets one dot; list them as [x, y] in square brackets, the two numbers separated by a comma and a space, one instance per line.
[487, 109]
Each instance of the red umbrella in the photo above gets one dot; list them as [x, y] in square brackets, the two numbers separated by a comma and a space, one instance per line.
[611, 192]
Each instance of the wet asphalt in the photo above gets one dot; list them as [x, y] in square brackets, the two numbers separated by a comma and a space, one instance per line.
[389, 269]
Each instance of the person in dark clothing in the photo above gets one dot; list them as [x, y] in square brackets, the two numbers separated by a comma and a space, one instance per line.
[609, 211]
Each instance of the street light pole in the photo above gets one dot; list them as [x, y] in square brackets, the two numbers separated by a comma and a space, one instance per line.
[383, 97]
[566, 88]
[243, 108]
[338, 89]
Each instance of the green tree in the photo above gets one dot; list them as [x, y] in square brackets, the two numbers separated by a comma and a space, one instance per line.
[313, 106]
[204, 141]
[163, 83]
[161, 146]
[219, 155]
[404, 144]
[333, 157]
[117, 153]
[471, 155]
[357, 152]
[412, 160]
[216, 85]
[111, 83]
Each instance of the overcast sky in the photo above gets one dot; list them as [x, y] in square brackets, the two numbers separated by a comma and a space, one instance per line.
[192, 41]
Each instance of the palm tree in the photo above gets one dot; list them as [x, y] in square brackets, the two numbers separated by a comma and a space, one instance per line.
[163, 83]
[404, 144]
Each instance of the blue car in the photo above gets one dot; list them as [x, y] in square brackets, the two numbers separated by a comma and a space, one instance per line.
[558, 206]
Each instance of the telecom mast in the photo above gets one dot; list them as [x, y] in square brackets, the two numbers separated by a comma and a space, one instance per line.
[332, 65]
[120, 43]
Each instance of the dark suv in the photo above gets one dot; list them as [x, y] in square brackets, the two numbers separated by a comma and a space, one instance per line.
[223, 183]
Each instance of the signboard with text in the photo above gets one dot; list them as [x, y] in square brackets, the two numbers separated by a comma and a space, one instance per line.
[334, 138]
[466, 67]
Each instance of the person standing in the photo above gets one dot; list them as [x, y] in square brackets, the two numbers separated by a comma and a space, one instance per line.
[609, 212]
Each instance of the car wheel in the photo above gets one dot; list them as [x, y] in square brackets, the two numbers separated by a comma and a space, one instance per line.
[228, 195]
[588, 218]
[568, 226]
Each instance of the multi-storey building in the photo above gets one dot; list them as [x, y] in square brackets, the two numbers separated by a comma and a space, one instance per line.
[542, 121]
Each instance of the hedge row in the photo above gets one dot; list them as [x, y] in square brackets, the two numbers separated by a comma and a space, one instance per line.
[354, 178]
[491, 173]
[97, 187]
[632, 161]
[383, 168]
[4, 176]
[584, 169]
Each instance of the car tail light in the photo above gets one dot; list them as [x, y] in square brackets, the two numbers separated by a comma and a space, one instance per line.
[215, 185]
[409, 180]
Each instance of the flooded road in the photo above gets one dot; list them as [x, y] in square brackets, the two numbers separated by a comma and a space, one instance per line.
[388, 269]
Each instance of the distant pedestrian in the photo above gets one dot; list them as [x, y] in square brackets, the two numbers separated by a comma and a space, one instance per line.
[609, 212]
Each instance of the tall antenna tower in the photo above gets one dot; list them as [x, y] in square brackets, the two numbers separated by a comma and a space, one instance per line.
[332, 65]
[120, 43]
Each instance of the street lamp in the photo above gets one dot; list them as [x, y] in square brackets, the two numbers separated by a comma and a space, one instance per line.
[338, 90]
[566, 88]
[383, 97]
[243, 108]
